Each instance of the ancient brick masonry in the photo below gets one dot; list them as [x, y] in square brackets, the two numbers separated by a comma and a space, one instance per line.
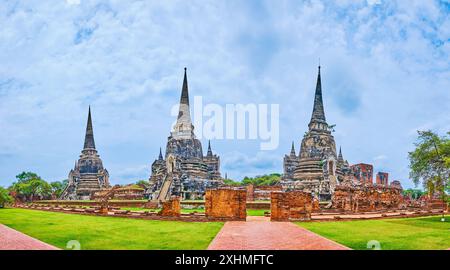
[261, 193]
[171, 208]
[250, 193]
[361, 173]
[226, 203]
[367, 198]
[130, 192]
[382, 179]
[291, 205]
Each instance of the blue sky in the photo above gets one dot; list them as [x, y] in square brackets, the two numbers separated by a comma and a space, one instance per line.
[385, 74]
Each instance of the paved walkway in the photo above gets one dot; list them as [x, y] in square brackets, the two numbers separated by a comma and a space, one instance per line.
[258, 233]
[13, 240]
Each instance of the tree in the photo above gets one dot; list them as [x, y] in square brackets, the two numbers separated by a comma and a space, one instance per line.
[30, 186]
[230, 182]
[263, 180]
[430, 163]
[58, 187]
[143, 183]
[4, 197]
[413, 193]
[25, 177]
[38, 188]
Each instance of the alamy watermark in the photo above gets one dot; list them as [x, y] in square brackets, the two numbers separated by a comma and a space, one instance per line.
[73, 245]
[374, 245]
[236, 121]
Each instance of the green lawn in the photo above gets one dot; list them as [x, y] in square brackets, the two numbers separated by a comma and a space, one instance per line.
[402, 233]
[250, 212]
[256, 212]
[185, 211]
[110, 232]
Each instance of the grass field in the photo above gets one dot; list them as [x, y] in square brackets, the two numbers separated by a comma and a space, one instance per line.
[256, 212]
[403, 233]
[121, 233]
[250, 212]
[109, 232]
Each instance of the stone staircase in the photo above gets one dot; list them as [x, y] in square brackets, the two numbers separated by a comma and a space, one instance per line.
[88, 184]
[164, 192]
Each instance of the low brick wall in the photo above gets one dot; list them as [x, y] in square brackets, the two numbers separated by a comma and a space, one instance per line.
[255, 193]
[200, 217]
[171, 208]
[226, 203]
[437, 204]
[367, 198]
[290, 206]
[113, 203]
[258, 205]
[144, 204]
[148, 215]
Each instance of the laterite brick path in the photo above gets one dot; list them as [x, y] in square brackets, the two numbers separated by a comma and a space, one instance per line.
[258, 233]
[13, 240]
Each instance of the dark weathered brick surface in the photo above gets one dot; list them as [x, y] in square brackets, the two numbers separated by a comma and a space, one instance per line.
[291, 205]
[229, 203]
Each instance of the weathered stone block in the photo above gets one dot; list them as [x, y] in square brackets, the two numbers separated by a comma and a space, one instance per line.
[291, 205]
[171, 208]
[226, 203]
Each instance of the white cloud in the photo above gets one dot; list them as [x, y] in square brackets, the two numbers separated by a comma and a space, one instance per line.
[373, 2]
[73, 2]
[380, 157]
[385, 72]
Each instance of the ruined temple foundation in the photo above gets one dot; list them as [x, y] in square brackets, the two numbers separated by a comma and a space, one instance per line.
[367, 198]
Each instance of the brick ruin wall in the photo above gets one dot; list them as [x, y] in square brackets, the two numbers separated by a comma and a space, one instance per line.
[226, 203]
[367, 198]
[171, 208]
[434, 203]
[113, 203]
[250, 193]
[291, 205]
[261, 193]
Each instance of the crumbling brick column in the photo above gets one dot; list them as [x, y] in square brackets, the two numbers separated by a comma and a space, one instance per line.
[250, 193]
[290, 205]
[171, 208]
[226, 203]
[316, 205]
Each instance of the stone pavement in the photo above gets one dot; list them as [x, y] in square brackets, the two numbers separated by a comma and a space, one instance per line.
[13, 240]
[258, 233]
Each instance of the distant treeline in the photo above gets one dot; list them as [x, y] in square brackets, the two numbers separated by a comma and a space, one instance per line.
[29, 187]
[262, 180]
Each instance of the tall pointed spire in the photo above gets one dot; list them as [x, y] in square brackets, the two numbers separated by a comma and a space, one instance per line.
[184, 100]
[292, 149]
[160, 154]
[209, 154]
[318, 114]
[184, 129]
[340, 157]
[89, 138]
